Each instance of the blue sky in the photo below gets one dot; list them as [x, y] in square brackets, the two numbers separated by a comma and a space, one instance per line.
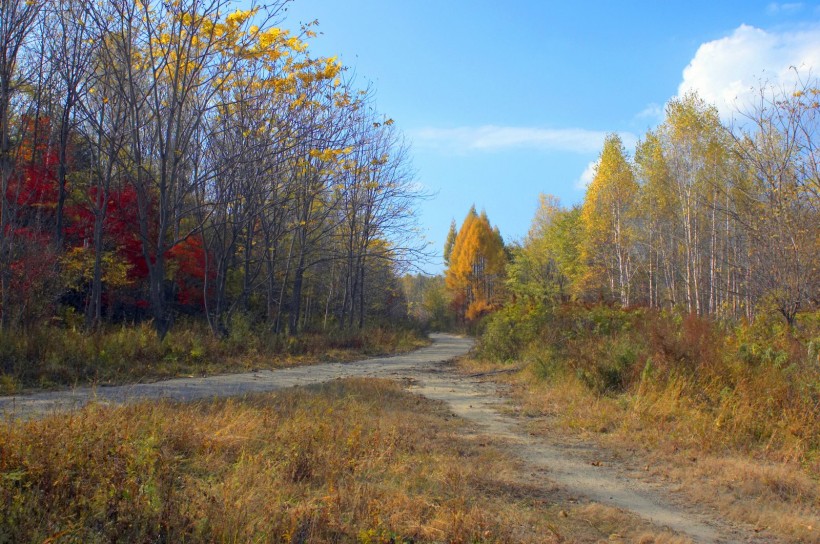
[503, 100]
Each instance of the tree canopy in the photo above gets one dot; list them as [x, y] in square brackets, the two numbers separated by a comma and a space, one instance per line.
[476, 266]
[190, 157]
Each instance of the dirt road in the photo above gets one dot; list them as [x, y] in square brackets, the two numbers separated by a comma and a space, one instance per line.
[427, 370]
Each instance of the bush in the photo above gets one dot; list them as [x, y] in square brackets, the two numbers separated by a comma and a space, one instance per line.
[508, 332]
[757, 384]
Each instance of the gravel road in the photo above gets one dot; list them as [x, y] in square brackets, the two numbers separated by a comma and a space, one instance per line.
[444, 347]
[476, 400]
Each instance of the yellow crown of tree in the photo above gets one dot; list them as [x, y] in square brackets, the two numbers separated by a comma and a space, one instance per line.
[476, 266]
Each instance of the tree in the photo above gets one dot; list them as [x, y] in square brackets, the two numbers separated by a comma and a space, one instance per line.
[688, 245]
[607, 215]
[780, 204]
[546, 268]
[71, 53]
[17, 19]
[532, 274]
[450, 242]
[477, 265]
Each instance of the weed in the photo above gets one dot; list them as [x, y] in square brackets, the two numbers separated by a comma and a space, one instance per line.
[54, 356]
[355, 460]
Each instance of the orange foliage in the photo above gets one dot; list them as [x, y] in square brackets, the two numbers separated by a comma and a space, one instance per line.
[477, 265]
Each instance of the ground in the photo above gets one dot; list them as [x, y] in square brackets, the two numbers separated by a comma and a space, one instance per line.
[568, 470]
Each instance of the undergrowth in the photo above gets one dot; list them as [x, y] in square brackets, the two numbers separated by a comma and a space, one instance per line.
[744, 387]
[730, 411]
[45, 357]
[352, 461]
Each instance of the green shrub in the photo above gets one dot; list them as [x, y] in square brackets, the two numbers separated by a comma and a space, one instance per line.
[511, 330]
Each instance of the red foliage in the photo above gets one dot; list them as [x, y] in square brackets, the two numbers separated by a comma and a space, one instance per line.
[34, 278]
[120, 227]
[33, 193]
[32, 190]
[188, 258]
[31, 197]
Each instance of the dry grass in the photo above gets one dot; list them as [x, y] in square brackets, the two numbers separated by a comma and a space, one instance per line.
[728, 411]
[352, 461]
[666, 438]
[52, 357]
[752, 388]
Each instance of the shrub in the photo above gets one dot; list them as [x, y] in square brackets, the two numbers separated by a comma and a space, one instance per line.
[743, 385]
[511, 330]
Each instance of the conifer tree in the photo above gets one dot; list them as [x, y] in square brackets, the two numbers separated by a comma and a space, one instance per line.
[477, 264]
[449, 242]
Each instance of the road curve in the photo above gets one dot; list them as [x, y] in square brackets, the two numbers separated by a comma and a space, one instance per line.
[478, 401]
[443, 348]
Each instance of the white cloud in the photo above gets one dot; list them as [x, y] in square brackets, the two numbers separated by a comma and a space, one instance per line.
[587, 175]
[493, 138]
[727, 71]
[653, 112]
[790, 7]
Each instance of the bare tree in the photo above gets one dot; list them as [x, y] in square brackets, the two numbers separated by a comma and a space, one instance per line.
[17, 19]
[781, 204]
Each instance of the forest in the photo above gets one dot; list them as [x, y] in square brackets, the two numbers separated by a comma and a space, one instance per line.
[682, 293]
[705, 219]
[188, 159]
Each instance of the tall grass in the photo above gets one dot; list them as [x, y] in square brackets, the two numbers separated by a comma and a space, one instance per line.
[55, 356]
[352, 461]
[752, 388]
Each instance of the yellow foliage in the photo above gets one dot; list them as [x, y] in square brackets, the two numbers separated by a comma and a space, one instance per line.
[269, 37]
[606, 214]
[239, 17]
[78, 268]
[329, 155]
[477, 264]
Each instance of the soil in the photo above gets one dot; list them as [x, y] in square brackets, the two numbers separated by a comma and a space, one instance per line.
[574, 468]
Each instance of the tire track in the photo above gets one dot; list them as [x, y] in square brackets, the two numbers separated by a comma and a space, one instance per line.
[470, 398]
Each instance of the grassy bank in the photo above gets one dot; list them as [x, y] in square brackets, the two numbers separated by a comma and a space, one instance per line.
[729, 411]
[351, 461]
[48, 357]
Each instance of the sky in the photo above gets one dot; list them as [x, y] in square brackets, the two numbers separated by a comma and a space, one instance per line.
[501, 101]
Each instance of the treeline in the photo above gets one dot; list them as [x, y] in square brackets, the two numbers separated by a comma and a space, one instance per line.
[682, 294]
[189, 157]
[707, 219]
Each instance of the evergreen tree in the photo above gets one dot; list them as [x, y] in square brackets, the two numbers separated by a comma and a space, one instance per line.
[477, 264]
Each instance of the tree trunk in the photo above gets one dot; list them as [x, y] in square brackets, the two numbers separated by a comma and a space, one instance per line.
[296, 296]
[361, 295]
[94, 312]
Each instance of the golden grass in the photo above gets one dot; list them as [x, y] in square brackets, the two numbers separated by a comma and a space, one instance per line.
[51, 357]
[352, 461]
[672, 439]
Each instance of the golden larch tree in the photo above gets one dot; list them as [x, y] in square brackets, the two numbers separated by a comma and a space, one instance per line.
[476, 267]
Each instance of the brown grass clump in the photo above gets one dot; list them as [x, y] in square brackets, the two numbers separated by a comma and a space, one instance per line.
[352, 461]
